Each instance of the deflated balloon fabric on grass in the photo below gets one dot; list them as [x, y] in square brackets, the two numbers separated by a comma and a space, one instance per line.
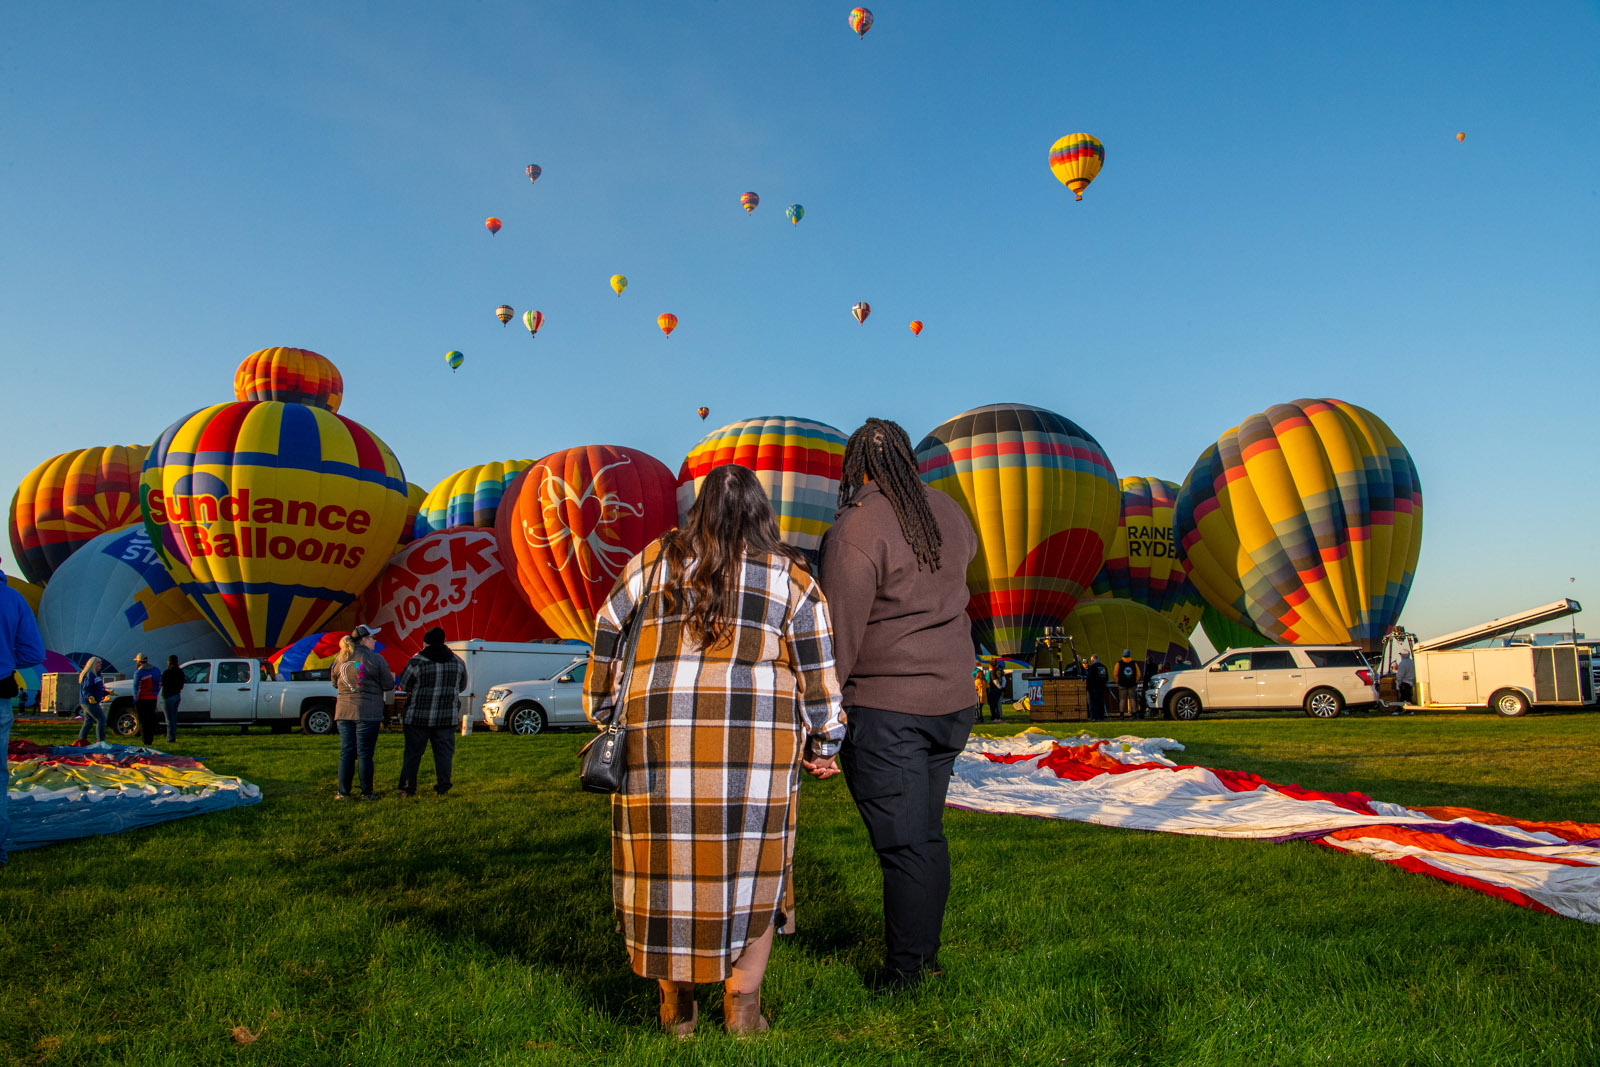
[1129, 782]
[65, 791]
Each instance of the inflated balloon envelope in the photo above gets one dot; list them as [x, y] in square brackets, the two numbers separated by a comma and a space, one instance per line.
[1142, 562]
[68, 500]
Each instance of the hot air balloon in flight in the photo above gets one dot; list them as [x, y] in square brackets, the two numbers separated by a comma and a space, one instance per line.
[795, 213]
[1104, 626]
[454, 359]
[797, 461]
[916, 326]
[749, 200]
[293, 375]
[703, 412]
[504, 313]
[1224, 633]
[68, 500]
[668, 322]
[493, 224]
[533, 320]
[1075, 160]
[570, 523]
[1304, 522]
[618, 283]
[1462, 136]
[1142, 563]
[861, 309]
[270, 516]
[469, 497]
[1044, 499]
[534, 170]
[860, 21]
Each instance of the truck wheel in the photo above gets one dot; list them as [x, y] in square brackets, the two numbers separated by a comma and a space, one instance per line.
[123, 721]
[317, 720]
[527, 719]
[1324, 703]
[1510, 703]
[1184, 706]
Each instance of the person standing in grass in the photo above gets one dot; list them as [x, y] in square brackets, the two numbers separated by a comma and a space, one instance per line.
[997, 689]
[362, 679]
[172, 695]
[1098, 681]
[433, 682]
[894, 568]
[1128, 685]
[146, 690]
[91, 697]
[732, 692]
[20, 647]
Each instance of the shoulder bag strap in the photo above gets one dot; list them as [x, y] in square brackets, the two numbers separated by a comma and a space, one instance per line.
[631, 644]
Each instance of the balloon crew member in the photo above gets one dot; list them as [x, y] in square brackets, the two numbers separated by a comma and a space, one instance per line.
[894, 568]
[361, 678]
[997, 689]
[1405, 676]
[146, 691]
[1128, 675]
[433, 682]
[1099, 681]
[20, 647]
[91, 696]
[172, 680]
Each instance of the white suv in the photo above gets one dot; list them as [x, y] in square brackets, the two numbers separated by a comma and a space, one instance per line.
[1322, 679]
[532, 707]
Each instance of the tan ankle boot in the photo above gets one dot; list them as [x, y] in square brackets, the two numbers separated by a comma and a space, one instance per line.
[741, 1013]
[679, 1012]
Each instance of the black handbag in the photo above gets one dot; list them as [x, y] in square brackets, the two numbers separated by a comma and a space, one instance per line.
[601, 767]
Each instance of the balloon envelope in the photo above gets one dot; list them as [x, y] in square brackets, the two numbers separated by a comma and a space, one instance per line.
[618, 283]
[293, 375]
[67, 501]
[668, 322]
[505, 313]
[795, 213]
[860, 21]
[1075, 160]
[30, 592]
[415, 495]
[749, 200]
[318, 651]
[533, 320]
[493, 224]
[916, 326]
[454, 359]
[1462, 136]
[1142, 563]
[533, 172]
[469, 497]
[861, 309]
[1224, 633]
[703, 412]
[1106, 626]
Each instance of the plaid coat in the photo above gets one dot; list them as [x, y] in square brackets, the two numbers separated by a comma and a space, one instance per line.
[702, 832]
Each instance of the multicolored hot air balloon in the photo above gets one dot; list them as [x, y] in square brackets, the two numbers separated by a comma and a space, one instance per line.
[703, 412]
[533, 320]
[1142, 563]
[1075, 160]
[270, 516]
[454, 359]
[750, 201]
[860, 21]
[1106, 626]
[318, 651]
[668, 322]
[571, 522]
[493, 224]
[797, 461]
[795, 213]
[1224, 633]
[454, 579]
[505, 313]
[469, 497]
[533, 172]
[1044, 499]
[293, 375]
[861, 309]
[1305, 522]
[68, 500]
[916, 326]
[415, 495]
[618, 283]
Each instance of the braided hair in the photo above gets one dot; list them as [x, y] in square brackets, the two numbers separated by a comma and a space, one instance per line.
[881, 451]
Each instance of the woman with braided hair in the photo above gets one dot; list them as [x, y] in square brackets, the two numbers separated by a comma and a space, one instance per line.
[894, 570]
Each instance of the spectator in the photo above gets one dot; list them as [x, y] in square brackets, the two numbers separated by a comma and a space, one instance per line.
[20, 647]
[362, 680]
[172, 680]
[433, 683]
[1128, 685]
[91, 697]
[997, 689]
[146, 691]
[1098, 680]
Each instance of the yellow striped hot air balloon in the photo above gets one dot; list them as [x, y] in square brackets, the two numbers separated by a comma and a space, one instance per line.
[69, 500]
[1075, 160]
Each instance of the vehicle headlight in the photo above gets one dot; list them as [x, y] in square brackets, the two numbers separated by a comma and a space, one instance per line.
[495, 694]
[1161, 681]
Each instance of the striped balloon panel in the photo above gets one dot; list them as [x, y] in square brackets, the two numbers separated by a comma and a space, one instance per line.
[1223, 633]
[1305, 522]
[316, 651]
[469, 497]
[1044, 500]
[415, 495]
[1075, 160]
[1106, 626]
[69, 500]
[1142, 564]
[271, 516]
[797, 461]
[292, 375]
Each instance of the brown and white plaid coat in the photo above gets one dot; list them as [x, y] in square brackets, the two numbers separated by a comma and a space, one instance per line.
[702, 832]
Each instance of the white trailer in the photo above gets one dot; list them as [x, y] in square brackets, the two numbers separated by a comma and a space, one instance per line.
[494, 663]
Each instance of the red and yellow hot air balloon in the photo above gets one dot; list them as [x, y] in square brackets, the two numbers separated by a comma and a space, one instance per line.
[861, 309]
[1075, 160]
[916, 326]
[703, 412]
[270, 516]
[69, 500]
[668, 322]
[1142, 563]
[292, 375]
[749, 201]
[860, 20]
[570, 522]
[493, 224]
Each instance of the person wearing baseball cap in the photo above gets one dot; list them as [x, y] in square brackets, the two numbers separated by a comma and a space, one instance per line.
[362, 680]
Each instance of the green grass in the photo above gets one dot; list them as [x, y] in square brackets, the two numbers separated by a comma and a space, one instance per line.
[478, 929]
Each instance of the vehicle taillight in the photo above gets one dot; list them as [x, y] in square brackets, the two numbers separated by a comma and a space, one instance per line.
[1365, 676]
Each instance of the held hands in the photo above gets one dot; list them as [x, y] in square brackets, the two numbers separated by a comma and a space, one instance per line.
[819, 767]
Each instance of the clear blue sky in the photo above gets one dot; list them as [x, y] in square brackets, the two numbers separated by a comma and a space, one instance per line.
[1284, 212]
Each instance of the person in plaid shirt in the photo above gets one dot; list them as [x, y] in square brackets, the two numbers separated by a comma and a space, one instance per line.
[432, 682]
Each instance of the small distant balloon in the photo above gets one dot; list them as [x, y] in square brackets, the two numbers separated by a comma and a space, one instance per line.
[505, 313]
[534, 170]
[455, 359]
[795, 213]
[618, 283]
[861, 310]
[668, 322]
[493, 224]
[916, 326]
[702, 412]
[860, 21]
[1075, 160]
[1462, 136]
[749, 200]
[533, 320]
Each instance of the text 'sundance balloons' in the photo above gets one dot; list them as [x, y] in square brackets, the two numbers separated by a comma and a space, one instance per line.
[795, 212]
[270, 516]
[68, 500]
[618, 283]
[293, 375]
[1075, 160]
[1044, 500]
[1105, 626]
[505, 313]
[1305, 522]
[570, 523]
[797, 461]
[860, 20]
[750, 202]
[469, 497]
[1142, 563]
[1224, 633]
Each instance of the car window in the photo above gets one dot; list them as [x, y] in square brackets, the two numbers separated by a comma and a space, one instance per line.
[234, 671]
[196, 673]
[1277, 659]
[577, 673]
[1336, 657]
[1239, 661]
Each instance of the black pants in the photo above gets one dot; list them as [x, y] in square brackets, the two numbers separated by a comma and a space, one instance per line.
[1097, 705]
[898, 769]
[145, 712]
[444, 751]
[996, 695]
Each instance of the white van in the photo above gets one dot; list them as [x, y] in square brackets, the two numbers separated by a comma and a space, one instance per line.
[491, 664]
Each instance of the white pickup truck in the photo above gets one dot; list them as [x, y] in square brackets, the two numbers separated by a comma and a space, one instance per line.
[233, 692]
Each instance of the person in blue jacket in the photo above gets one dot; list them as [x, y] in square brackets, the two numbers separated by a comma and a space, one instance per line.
[20, 646]
[91, 697]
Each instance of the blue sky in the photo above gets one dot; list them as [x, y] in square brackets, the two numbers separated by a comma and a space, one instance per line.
[1284, 212]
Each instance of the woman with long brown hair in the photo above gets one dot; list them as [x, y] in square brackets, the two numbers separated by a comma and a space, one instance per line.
[732, 691]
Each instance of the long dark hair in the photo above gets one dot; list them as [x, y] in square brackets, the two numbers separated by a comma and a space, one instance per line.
[731, 518]
[881, 451]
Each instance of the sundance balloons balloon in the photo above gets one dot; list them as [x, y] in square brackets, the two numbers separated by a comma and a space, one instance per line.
[668, 322]
[861, 309]
[453, 360]
[115, 599]
[1305, 522]
[67, 501]
[795, 213]
[750, 201]
[916, 326]
[493, 225]
[571, 522]
[454, 579]
[797, 461]
[469, 497]
[293, 375]
[1142, 563]
[1075, 160]
[618, 283]
[271, 517]
[533, 172]
[1224, 633]
[860, 21]
[533, 320]
[1106, 626]
[505, 313]
[1044, 500]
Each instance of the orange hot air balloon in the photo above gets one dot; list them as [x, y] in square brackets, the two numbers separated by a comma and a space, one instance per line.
[493, 224]
[668, 322]
[1462, 136]
[68, 501]
[570, 523]
[292, 375]
[916, 326]
[703, 412]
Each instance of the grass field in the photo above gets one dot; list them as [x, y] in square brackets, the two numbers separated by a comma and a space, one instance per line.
[477, 929]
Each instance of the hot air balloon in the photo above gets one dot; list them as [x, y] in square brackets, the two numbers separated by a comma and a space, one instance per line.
[493, 224]
[860, 21]
[668, 322]
[469, 497]
[1075, 160]
[916, 326]
[861, 309]
[618, 283]
[795, 213]
[703, 412]
[534, 170]
[797, 461]
[114, 599]
[1224, 633]
[504, 313]
[749, 200]
[533, 320]
[571, 522]
[415, 495]
[1044, 500]
[1106, 626]
[68, 500]
[293, 375]
[1305, 522]
[454, 579]
[1462, 136]
[29, 592]
[454, 359]
[318, 651]
[1142, 563]
[270, 516]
